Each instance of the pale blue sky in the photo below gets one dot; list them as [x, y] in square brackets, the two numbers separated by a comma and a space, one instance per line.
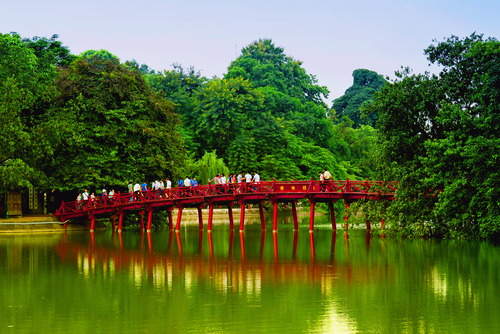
[332, 38]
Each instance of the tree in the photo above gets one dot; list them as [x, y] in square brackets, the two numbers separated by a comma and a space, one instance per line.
[265, 65]
[225, 110]
[50, 48]
[440, 138]
[93, 55]
[179, 85]
[25, 83]
[111, 127]
[366, 83]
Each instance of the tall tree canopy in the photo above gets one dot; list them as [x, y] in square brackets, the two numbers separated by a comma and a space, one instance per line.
[26, 83]
[366, 83]
[440, 135]
[50, 48]
[111, 127]
[266, 65]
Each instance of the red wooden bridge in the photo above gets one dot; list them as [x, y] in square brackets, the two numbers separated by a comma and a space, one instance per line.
[228, 195]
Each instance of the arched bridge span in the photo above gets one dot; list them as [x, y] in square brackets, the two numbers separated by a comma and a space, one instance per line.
[228, 195]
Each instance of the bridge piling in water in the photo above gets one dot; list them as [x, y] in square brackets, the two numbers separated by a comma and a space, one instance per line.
[230, 213]
[331, 206]
[275, 217]
[179, 216]
[113, 225]
[200, 216]
[150, 220]
[170, 223]
[210, 216]
[141, 219]
[294, 213]
[242, 217]
[261, 214]
[346, 225]
[311, 218]
[120, 221]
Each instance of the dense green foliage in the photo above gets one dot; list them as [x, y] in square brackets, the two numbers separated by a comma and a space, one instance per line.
[360, 94]
[112, 127]
[26, 84]
[50, 48]
[440, 138]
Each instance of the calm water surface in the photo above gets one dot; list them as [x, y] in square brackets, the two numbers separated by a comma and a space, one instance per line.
[223, 282]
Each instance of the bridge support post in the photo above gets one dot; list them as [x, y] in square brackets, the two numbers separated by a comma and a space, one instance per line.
[242, 218]
[295, 219]
[262, 219]
[311, 218]
[179, 216]
[92, 224]
[170, 224]
[275, 217]
[210, 216]
[113, 225]
[141, 220]
[331, 206]
[383, 223]
[150, 220]
[200, 217]
[231, 220]
[368, 226]
[120, 222]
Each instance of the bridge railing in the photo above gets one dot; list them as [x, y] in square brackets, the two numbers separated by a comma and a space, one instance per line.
[233, 189]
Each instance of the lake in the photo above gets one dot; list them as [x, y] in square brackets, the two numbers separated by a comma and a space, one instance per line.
[251, 282]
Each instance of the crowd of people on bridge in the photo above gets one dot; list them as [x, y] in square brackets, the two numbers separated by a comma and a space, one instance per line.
[218, 180]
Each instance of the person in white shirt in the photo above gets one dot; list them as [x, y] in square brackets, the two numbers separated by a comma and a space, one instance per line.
[85, 195]
[248, 177]
[223, 179]
[326, 176]
[239, 177]
[256, 177]
[187, 182]
[137, 188]
[169, 183]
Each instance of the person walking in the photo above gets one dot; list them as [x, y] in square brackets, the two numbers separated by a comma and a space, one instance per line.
[79, 201]
[321, 182]
[327, 177]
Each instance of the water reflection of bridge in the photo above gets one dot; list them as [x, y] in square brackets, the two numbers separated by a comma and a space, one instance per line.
[229, 272]
[229, 194]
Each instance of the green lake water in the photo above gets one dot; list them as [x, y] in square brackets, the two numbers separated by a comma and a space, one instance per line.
[227, 282]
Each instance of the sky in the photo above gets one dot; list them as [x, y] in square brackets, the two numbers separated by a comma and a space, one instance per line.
[331, 38]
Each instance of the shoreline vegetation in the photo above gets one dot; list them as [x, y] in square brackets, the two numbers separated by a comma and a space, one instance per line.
[91, 121]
